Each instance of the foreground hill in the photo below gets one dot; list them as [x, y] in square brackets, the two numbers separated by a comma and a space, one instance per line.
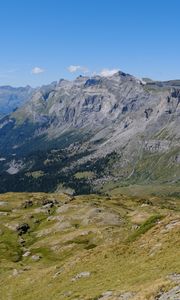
[85, 133]
[55, 246]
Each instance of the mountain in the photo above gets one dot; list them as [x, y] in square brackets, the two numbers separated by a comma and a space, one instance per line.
[11, 98]
[93, 134]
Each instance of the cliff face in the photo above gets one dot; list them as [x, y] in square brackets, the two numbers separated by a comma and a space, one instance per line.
[120, 128]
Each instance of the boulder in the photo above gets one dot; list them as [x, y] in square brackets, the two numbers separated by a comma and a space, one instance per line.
[81, 275]
[22, 228]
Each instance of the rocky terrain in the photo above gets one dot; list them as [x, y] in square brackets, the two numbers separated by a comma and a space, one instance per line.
[87, 133]
[114, 247]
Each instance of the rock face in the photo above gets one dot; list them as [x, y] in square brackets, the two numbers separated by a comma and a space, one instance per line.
[120, 125]
[173, 294]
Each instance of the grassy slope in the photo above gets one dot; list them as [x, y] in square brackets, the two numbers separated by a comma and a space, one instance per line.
[126, 243]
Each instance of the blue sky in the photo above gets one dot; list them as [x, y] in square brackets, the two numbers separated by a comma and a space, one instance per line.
[45, 40]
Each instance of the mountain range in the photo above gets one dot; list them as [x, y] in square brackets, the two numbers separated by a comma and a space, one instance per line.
[90, 134]
[11, 98]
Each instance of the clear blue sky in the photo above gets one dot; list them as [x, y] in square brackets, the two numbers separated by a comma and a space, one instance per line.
[137, 36]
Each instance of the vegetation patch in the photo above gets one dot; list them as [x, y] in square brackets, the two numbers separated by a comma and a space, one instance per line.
[35, 174]
[152, 221]
[85, 174]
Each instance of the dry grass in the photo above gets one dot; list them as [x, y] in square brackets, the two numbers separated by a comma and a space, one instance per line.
[75, 236]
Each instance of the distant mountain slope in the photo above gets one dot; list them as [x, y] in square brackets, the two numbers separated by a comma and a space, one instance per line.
[11, 98]
[85, 133]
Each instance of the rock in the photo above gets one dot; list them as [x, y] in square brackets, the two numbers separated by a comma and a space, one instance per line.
[26, 268]
[11, 226]
[173, 294]
[36, 221]
[2, 203]
[15, 272]
[81, 275]
[48, 203]
[172, 224]
[22, 228]
[174, 277]
[148, 112]
[26, 254]
[21, 241]
[3, 213]
[135, 227]
[58, 273]
[106, 295]
[64, 208]
[48, 206]
[35, 257]
[31, 217]
[116, 296]
[126, 296]
[27, 203]
[14, 167]
[155, 249]
[67, 294]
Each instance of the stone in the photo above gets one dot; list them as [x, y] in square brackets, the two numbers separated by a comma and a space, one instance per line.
[48, 202]
[173, 294]
[26, 268]
[67, 294]
[58, 273]
[35, 257]
[15, 272]
[21, 241]
[116, 296]
[174, 277]
[106, 295]
[2, 203]
[22, 228]
[48, 205]
[3, 213]
[81, 275]
[27, 203]
[26, 254]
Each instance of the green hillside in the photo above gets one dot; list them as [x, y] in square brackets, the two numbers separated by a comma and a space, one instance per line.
[55, 246]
